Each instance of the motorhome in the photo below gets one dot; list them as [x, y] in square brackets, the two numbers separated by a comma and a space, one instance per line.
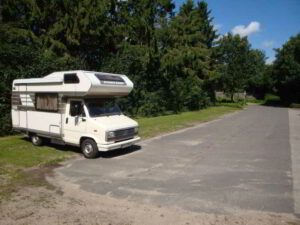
[74, 108]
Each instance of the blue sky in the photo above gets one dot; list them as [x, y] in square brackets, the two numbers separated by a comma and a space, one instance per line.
[267, 23]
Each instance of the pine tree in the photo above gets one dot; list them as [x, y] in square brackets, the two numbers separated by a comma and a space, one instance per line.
[186, 63]
[206, 27]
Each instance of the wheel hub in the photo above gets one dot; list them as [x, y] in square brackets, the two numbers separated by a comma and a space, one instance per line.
[88, 148]
[35, 139]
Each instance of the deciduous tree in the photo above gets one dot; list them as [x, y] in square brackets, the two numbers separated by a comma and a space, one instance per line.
[286, 70]
[233, 57]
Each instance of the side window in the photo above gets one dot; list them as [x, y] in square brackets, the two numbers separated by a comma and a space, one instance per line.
[76, 109]
[46, 102]
[71, 78]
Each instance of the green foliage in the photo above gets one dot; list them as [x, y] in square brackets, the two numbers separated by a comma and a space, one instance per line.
[241, 68]
[185, 64]
[22, 55]
[233, 53]
[286, 73]
[153, 104]
[258, 82]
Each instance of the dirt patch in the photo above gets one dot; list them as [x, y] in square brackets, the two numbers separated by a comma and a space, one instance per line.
[12, 180]
[70, 205]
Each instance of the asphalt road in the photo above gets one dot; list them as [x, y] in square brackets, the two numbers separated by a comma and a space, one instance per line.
[244, 161]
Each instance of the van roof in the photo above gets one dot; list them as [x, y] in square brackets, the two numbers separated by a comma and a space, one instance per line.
[86, 83]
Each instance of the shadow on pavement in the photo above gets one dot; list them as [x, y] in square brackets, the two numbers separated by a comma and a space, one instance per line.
[70, 148]
[275, 103]
[120, 152]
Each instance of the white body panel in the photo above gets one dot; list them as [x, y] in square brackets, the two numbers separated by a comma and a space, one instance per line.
[23, 119]
[15, 114]
[44, 121]
[60, 124]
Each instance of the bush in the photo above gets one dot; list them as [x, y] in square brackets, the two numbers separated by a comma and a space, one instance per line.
[5, 121]
[153, 105]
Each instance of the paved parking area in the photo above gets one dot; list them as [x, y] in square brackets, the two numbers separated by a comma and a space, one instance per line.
[240, 162]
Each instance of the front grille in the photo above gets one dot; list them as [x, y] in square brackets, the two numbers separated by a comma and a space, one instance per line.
[123, 134]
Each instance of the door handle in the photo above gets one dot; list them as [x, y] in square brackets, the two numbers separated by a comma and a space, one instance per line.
[67, 120]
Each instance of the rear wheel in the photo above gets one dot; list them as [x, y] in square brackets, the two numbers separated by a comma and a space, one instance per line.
[89, 148]
[36, 140]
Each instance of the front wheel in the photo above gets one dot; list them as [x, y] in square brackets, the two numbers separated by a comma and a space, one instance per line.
[36, 140]
[89, 148]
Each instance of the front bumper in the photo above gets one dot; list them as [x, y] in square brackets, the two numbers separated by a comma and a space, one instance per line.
[121, 144]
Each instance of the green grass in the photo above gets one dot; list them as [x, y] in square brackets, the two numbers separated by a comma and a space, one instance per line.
[295, 105]
[269, 99]
[16, 151]
[256, 101]
[153, 126]
[272, 100]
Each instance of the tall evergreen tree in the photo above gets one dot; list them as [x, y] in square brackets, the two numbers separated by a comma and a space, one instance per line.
[206, 26]
[22, 53]
[138, 52]
[186, 63]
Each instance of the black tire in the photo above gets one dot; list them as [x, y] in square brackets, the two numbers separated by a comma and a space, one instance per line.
[89, 148]
[36, 140]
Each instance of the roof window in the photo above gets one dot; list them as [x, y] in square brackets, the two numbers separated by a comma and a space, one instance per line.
[71, 78]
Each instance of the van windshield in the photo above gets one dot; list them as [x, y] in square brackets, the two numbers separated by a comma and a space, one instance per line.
[102, 107]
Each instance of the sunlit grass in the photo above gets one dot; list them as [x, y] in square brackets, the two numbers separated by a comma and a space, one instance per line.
[152, 126]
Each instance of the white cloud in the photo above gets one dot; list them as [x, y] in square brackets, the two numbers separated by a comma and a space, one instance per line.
[217, 26]
[268, 44]
[270, 60]
[243, 30]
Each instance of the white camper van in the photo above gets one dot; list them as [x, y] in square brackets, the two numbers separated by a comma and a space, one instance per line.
[75, 108]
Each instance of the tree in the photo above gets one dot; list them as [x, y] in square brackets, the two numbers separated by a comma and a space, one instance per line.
[258, 80]
[186, 62]
[286, 70]
[139, 26]
[233, 54]
[22, 55]
[206, 26]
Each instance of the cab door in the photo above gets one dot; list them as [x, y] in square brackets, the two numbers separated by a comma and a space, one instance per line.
[75, 121]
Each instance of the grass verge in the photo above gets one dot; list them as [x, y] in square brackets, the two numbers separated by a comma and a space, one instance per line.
[22, 164]
[150, 127]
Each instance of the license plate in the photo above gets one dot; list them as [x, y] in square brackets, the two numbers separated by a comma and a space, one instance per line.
[125, 145]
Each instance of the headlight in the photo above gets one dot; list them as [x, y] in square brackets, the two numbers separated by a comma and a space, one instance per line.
[111, 134]
[136, 130]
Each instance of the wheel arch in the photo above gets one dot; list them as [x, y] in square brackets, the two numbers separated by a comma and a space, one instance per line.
[84, 137]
